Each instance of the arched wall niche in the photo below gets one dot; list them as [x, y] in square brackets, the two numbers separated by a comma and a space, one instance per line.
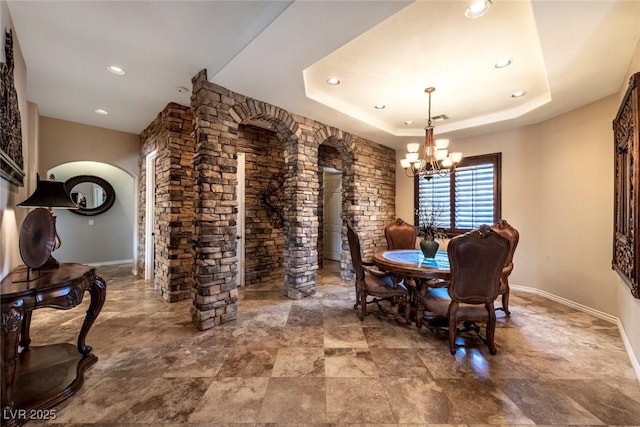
[263, 230]
[114, 228]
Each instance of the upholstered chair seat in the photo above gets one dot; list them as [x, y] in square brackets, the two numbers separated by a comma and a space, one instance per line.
[438, 301]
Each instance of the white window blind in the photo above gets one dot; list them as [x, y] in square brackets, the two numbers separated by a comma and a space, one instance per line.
[434, 199]
[463, 200]
[474, 195]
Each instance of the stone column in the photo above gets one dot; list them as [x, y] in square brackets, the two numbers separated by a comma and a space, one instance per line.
[215, 297]
[301, 219]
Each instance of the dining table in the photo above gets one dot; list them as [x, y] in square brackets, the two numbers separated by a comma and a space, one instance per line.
[416, 271]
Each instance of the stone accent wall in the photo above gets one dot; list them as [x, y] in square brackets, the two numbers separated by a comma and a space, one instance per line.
[372, 205]
[171, 134]
[264, 242]
[368, 202]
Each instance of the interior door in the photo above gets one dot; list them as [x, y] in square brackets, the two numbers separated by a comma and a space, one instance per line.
[332, 227]
[150, 217]
[240, 189]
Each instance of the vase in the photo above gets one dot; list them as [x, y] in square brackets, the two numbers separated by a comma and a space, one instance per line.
[429, 247]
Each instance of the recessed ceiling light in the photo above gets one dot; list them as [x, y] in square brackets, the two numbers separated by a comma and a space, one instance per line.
[518, 94]
[182, 90]
[101, 111]
[477, 8]
[116, 70]
[408, 122]
[333, 81]
[379, 106]
[502, 62]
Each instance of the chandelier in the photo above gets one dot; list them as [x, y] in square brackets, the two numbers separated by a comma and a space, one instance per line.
[435, 159]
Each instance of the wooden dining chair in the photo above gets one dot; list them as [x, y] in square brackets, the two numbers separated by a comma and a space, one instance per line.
[373, 286]
[400, 235]
[476, 260]
[505, 229]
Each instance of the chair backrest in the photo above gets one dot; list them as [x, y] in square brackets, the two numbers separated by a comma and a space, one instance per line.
[356, 253]
[400, 235]
[507, 231]
[476, 260]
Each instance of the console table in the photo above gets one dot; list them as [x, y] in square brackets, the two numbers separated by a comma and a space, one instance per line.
[37, 378]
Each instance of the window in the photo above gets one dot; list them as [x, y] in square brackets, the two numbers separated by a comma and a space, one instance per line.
[464, 199]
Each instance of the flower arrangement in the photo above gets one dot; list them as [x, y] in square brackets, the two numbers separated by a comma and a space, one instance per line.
[428, 226]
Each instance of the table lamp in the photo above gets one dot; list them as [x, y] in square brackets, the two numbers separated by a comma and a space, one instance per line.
[38, 236]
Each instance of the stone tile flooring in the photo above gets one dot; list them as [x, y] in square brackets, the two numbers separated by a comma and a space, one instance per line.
[313, 362]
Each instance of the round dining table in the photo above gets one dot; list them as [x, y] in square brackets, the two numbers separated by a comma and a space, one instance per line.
[412, 264]
[416, 272]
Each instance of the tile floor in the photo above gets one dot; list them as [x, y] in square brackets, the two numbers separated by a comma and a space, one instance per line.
[313, 362]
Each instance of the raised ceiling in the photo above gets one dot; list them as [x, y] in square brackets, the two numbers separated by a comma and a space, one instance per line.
[564, 54]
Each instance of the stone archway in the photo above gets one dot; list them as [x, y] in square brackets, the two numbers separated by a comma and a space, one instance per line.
[218, 113]
[343, 143]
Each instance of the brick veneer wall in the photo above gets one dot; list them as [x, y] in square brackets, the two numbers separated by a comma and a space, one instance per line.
[171, 134]
[368, 195]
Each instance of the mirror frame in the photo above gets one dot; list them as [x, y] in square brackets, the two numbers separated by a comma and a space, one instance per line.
[108, 189]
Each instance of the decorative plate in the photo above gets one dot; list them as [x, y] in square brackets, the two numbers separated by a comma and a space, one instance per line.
[37, 237]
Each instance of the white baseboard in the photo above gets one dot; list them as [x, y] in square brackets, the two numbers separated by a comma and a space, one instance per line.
[599, 314]
[121, 261]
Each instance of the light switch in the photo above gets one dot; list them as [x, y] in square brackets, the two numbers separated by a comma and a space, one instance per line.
[90, 222]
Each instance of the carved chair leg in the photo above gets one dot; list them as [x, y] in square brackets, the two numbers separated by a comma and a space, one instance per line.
[505, 299]
[407, 309]
[491, 329]
[453, 329]
[419, 313]
[363, 303]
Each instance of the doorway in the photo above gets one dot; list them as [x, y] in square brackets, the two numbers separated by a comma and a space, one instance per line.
[149, 215]
[240, 195]
[332, 209]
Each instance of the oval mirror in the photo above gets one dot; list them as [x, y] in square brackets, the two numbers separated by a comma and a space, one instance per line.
[92, 194]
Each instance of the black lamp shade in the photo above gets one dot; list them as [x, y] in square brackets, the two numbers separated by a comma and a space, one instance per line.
[49, 194]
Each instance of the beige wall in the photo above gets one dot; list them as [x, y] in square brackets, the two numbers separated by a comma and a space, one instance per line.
[62, 141]
[557, 189]
[519, 181]
[11, 217]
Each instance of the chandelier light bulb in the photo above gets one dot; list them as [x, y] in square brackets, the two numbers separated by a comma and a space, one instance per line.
[441, 155]
[455, 157]
[413, 147]
[442, 144]
[412, 157]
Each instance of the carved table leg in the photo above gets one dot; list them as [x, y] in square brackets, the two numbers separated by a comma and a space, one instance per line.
[98, 292]
[11, 322]
[25, 338]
